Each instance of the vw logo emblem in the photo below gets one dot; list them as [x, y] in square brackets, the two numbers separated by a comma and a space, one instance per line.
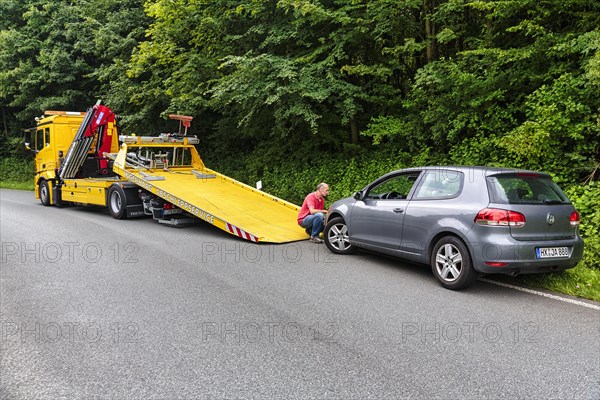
[550, 218]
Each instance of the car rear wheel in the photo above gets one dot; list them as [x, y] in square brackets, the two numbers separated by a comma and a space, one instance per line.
[336, 237]
[451, 263]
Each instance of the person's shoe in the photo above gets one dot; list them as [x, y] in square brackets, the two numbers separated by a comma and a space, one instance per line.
[316, 239]
[307, 230]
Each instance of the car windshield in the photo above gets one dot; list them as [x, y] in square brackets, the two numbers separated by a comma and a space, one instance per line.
[523, 188]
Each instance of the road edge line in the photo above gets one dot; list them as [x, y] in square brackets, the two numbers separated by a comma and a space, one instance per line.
[548, 295]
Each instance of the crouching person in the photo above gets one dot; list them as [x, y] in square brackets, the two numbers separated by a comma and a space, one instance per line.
[312, 212]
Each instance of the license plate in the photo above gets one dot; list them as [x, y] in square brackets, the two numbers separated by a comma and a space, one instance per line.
[172, 211]
[552, 252]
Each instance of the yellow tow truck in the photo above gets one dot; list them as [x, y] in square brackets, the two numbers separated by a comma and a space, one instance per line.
[82, 160]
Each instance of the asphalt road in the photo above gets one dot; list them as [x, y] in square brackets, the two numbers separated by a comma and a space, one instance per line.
[92, 307]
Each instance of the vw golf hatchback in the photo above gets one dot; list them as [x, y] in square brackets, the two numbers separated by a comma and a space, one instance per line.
[463, 221]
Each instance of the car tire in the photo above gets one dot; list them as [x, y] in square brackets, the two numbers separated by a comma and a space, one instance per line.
[336, 237]
[117, 202]
[451, 263]
[44, 190]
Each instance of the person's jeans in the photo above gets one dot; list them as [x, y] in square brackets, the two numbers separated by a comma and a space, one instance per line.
[314, 222]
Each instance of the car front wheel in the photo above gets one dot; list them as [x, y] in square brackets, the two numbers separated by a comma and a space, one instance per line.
[451, 263]
[336, 237]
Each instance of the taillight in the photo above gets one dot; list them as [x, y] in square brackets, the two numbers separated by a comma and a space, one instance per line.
[496, 264]
[498, 217]
[574, 218]
[168, 206]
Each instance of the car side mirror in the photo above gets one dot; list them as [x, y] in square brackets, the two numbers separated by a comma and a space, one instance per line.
[358, 195]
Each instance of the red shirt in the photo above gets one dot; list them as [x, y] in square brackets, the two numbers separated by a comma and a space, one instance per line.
[311, 201]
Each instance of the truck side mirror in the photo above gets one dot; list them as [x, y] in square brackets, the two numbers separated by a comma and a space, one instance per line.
[34, 151]
[28, 141]
[28, 148]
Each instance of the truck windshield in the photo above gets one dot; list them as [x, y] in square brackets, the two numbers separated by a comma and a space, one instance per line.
[160, 157]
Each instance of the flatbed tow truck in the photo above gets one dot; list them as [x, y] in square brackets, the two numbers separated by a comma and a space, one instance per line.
[82, 160]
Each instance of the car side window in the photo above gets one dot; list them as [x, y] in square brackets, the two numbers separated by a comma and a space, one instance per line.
[440, 184]
[396, 187]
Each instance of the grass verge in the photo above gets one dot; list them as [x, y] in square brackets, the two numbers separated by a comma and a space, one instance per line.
[580, 281]
[17, 185]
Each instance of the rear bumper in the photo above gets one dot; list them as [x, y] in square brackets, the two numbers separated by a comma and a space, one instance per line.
[519, 257]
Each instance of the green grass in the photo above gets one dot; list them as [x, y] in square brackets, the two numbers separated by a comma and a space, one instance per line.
[17, 185]
[580, 281]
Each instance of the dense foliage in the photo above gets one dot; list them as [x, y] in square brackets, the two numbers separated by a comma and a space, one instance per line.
[450, 81]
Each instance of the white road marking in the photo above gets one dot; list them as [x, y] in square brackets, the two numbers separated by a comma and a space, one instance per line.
[551, 296]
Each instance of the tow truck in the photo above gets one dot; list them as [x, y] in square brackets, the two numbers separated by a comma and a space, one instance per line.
[81, 159]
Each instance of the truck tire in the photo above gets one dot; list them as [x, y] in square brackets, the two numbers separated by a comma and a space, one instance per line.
[117, 202]
[44, 190]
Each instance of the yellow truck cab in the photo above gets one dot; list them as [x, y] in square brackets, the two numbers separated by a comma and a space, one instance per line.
[50, 140]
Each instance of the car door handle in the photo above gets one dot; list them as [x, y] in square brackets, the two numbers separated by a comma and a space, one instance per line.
[398, 210]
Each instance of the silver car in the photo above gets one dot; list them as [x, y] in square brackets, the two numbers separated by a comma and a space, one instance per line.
[463, 221]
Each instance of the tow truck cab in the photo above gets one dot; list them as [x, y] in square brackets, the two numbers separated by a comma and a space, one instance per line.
[50, 140]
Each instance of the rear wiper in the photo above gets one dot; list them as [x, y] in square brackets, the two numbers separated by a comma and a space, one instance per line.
[552, 201]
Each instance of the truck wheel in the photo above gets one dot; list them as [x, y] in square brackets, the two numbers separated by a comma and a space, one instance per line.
[44, 190]
[451, 263]
[117, 202]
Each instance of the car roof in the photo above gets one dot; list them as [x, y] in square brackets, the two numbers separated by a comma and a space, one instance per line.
[485, 171]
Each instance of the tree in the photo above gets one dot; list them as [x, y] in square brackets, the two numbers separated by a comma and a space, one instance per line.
[517, 90]
[52, 53]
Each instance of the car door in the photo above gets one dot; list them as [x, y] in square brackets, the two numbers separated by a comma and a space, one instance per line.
[435, 205]
[377, 217]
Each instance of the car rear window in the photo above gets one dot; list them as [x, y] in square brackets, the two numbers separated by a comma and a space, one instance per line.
[525, 189]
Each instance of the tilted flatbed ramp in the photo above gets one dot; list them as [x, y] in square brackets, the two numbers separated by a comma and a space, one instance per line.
[219, 200]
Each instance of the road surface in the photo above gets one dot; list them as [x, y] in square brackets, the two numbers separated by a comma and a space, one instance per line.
[92, 307]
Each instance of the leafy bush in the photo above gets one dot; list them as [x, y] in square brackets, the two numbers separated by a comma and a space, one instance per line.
[586, 199]
[16, 173]
[293, 180]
